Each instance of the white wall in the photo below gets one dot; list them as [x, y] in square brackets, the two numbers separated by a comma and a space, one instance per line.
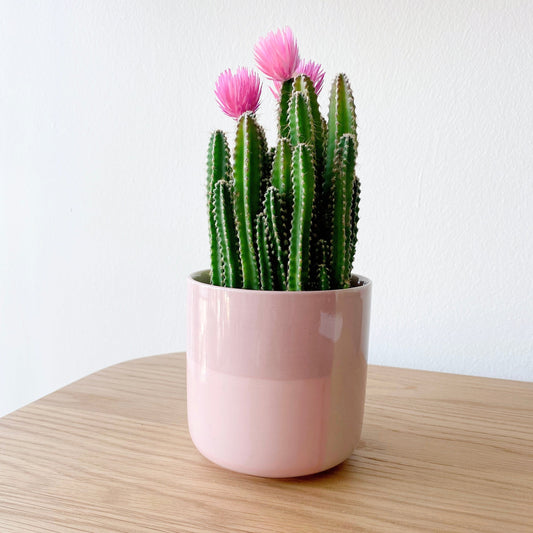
[106, 108]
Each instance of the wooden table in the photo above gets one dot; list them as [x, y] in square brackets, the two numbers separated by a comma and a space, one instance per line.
[112, 453]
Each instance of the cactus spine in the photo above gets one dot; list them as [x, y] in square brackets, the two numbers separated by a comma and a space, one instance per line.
[295, 206]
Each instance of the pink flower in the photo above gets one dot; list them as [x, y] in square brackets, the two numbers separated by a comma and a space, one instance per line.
[314, 71]
[309, 68]
[276, 55]
[239, 92]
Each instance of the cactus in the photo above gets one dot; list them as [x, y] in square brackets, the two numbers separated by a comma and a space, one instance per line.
[281, 168]
[226, 235]
[218, 168]
[305, 85]
[341, 120]
[284, 218]
[354, 220]
[281, 180]
[247, 175]
[263, 251]
[303, 178]
[283, 117]
[267, 158]
[343, 185]
[323, 260]
[274, 216]
[301, 125]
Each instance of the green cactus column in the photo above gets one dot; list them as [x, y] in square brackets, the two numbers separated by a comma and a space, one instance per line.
[263, 252]
[353, 223]
[339, 180]
[305, 124]
[273, 217]
[341, 120]
[283, 122]
[303, 177]
[281, 168]
[218, 168]
[301, 125]
[343, 186]
[247, 175]
[304, 85]
[281, 180]
[323, 254]
[226, 234]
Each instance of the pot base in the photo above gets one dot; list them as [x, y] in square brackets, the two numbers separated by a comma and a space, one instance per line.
[271, 474]
[265, 427]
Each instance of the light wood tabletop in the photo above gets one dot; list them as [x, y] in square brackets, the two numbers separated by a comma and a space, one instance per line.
[111, 452]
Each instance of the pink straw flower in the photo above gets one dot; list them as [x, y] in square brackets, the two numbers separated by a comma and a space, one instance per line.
[239, 92]
[309, 68]
[276, 55]
[314, 71]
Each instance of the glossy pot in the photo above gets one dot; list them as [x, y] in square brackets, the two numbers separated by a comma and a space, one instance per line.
[275, 379]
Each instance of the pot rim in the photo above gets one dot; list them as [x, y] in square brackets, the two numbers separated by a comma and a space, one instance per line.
[193, 278]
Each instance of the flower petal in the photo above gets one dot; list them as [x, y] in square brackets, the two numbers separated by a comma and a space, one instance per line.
[277, 55]
[238, 93]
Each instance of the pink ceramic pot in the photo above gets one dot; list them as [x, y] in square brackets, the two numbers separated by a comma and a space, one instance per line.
[276, 380]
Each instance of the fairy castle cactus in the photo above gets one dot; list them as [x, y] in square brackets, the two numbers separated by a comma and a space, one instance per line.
[284, 218]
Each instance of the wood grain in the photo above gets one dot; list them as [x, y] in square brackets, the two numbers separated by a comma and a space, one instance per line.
[112, 453]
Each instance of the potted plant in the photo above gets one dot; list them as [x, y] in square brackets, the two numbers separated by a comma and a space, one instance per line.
[278, 327]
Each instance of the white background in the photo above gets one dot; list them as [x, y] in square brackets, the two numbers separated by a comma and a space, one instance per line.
[105, 112]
